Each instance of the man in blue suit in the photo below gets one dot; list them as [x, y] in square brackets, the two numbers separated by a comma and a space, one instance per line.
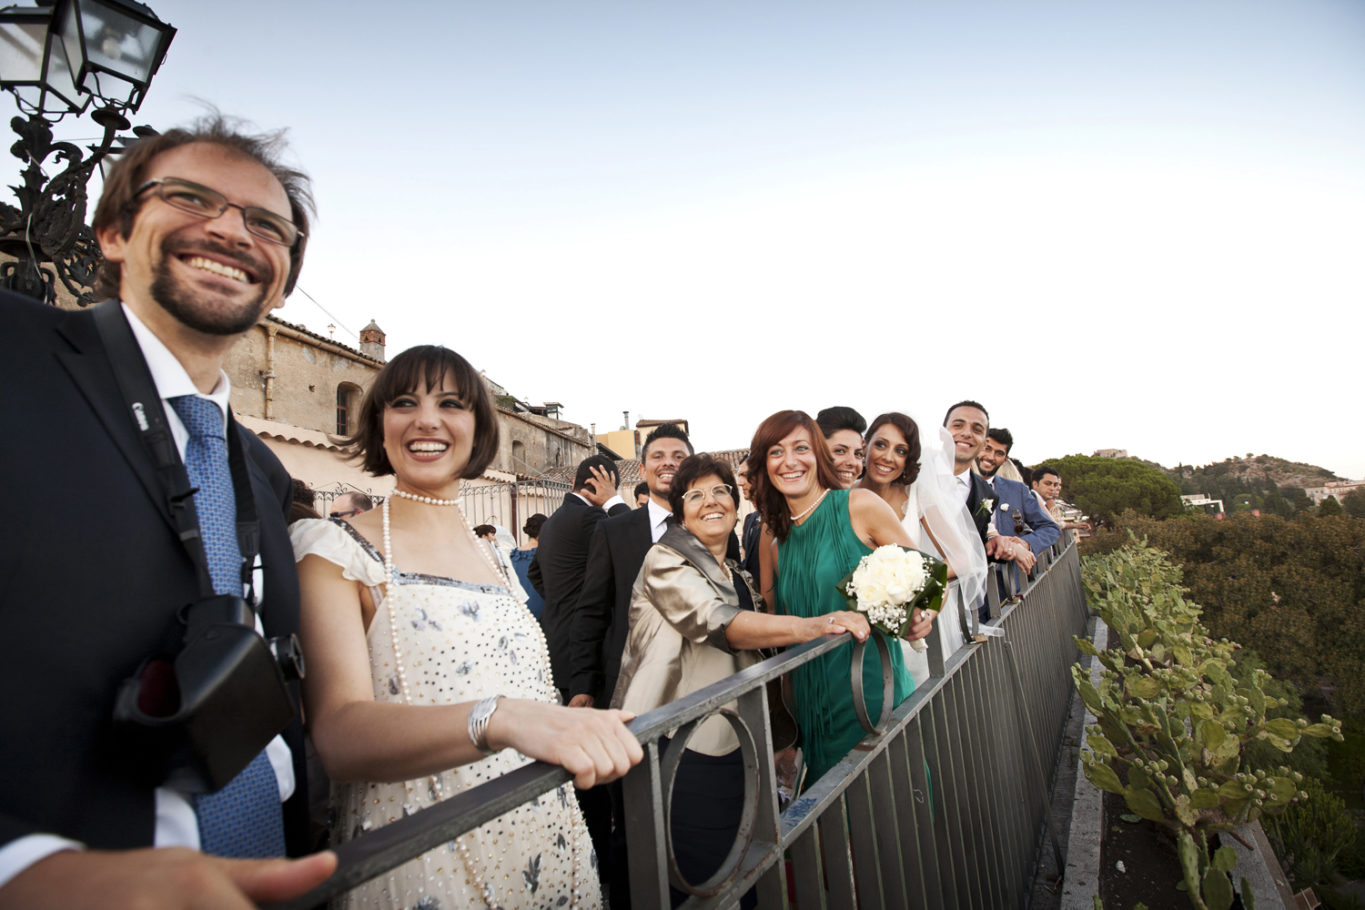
[1024, 528]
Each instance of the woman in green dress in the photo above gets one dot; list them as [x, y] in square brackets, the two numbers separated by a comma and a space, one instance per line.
[814, 533]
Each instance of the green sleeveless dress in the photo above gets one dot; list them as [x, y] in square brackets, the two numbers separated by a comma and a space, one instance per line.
[810, 564]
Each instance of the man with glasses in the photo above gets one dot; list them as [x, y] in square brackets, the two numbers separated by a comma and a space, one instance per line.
[349, 505]
[202, 232]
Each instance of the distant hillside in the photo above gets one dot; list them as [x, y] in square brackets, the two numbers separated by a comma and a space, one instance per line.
[1253, 482]
[1257, 471]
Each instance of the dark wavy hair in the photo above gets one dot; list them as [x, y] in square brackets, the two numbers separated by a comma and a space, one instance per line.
[840, 417]
[910, 430]
[426, 365]
[119, 206]
[694, 468]
[534, 524]
[772, 505]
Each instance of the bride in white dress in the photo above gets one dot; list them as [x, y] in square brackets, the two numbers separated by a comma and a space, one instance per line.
[915, 475]
[427, 675]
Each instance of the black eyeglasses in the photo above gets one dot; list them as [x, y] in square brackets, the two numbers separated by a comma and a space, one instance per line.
[206, 203]
[719, 490]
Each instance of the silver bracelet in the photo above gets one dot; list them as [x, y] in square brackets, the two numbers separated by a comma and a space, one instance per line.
[479, 717]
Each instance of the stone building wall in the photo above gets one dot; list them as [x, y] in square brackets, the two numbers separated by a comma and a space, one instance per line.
[528, 447]
[286, 374]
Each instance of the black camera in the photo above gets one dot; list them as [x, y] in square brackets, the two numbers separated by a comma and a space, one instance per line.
[194, 720]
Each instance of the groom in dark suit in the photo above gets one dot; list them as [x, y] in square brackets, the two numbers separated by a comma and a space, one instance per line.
[561, 558]
[967, 422]
[202, 234]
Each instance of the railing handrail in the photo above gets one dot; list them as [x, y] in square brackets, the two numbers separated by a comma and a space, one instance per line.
[408, 837]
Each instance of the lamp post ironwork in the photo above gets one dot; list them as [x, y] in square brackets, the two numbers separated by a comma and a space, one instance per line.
[60, 58]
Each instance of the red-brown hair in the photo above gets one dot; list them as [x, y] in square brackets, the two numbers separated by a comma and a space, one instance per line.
[772, 505]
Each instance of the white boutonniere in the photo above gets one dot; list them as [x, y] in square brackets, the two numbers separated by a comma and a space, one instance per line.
[1004, 507]
[987, 505]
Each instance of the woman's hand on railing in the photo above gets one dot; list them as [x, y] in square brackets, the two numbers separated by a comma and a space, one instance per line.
[594, 746]
[838, 623]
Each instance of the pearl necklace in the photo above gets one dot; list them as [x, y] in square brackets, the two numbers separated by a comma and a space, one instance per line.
[436, 787]
[429, 500]
[811, 508]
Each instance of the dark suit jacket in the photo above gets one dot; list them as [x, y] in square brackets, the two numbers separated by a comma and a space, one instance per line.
[981, 516]
[1014, 497]
[601, 617]
[557, 573]
[92, 578]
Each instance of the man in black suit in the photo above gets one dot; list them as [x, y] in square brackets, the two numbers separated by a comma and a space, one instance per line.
[967, 422]
[601, 618]
[557, 569]
[614, 559]
[202, 235]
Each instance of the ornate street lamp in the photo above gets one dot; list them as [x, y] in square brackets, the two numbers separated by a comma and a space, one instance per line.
[58, 58]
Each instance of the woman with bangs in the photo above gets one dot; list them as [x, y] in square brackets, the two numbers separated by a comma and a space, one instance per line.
[427, 675]
[814, 534]
[915, 478]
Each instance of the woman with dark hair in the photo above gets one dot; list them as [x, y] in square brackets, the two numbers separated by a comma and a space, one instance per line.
[521, 561]
[916, 481]
[821, 532]
[429, 679]
[843, 429]
[693, 623]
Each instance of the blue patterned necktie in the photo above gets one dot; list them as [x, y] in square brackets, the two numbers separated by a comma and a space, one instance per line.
[243, 819]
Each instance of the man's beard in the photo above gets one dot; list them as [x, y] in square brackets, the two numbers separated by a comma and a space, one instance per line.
[980, 469]
[192, 310]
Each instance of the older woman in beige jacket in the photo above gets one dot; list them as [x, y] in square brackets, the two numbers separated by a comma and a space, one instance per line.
[693, 623]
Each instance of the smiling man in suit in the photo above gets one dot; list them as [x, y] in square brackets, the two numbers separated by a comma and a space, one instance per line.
[967, 422]
[121, 409]
[1024, 527]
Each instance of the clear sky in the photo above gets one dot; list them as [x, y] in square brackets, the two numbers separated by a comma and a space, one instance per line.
[1129, 225]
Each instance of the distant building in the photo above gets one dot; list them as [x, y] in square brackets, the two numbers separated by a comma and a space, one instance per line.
[1111, 453]
[1336, 488]
[627, 443]
[1202, 502]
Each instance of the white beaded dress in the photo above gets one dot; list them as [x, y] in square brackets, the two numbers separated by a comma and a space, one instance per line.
[459, 642]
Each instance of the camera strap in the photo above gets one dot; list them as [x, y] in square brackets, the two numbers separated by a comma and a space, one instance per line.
[149, 416]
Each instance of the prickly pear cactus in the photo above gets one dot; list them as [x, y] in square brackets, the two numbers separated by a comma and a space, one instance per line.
[1174, 718]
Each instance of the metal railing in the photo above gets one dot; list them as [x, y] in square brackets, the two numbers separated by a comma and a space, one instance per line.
[944, 806]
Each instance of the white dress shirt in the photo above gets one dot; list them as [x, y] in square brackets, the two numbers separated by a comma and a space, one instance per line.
[658, 519]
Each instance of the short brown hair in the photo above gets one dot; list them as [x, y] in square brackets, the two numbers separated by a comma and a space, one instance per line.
[425, 365]
[772, 505]
[119, 205]
[910, 430]
[692, 469]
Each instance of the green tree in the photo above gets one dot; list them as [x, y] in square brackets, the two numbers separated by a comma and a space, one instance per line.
[1275, 504]
[1298, 500]
[1329, 506]
[1106, 487]
[1291, 590]
[1354, 503]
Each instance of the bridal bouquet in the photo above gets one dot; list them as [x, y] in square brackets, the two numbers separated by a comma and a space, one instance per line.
[890, 583]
